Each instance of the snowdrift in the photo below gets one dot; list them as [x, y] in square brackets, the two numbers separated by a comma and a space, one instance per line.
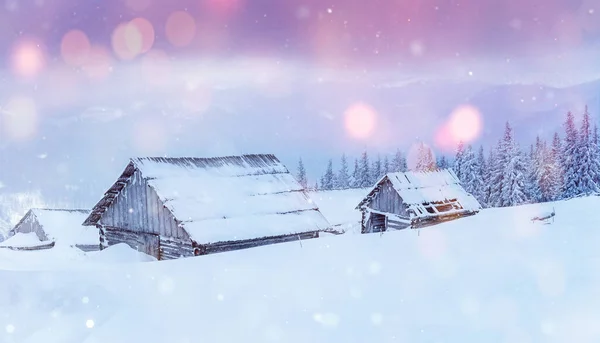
[493, 277]
[339, 207]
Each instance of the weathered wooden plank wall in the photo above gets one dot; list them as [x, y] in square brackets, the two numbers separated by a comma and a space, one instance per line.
[387, 200]
[136, 240]
[172, 248]
[31, 224]
[138, 208]
[251, 243]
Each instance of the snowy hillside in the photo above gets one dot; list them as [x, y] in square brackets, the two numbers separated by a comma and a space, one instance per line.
[493, 277]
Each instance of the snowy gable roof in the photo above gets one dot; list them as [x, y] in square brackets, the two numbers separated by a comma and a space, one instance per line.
[420, 189]
[62, 225]
[229, 198]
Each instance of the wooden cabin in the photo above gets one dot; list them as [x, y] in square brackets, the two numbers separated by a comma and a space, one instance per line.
[52, 227]
[415, 199]
[178, 207]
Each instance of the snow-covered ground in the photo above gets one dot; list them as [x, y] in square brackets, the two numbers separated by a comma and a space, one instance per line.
[339, 207]
[493, 277]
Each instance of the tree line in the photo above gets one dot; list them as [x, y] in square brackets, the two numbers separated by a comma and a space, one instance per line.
[566, 167]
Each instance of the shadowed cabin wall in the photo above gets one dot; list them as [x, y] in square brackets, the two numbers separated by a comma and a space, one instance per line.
[137, 208]
[387, 200]
[31, 224]
[137, 214]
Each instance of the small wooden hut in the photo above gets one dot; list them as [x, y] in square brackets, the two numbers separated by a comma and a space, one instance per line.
[178, 207]
[52, 227]
[415, 199]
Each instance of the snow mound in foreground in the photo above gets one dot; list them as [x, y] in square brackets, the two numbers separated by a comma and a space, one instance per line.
[494, 277]
[20, 240]
[119, 253]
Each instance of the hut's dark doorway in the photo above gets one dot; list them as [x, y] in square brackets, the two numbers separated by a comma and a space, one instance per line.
[377, 222]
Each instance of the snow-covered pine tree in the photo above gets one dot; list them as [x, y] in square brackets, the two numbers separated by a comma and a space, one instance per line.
[513, 189]
[545, 173]
[480, 185]
[442, 162]
[460, 149]
[431, 165]
[570, 187]
[386, 165]
[342, 181]
[469, 171]
[327, 181]
[596, 153]
[498, 160]
[364, 173]
[376, 170]
[587, 168]
[301, 174]
[355, 180]
[425, 160]
[316, 189]
[556, 174]
[399, 162]
[488, 169]
[532, 186]
[509, 173]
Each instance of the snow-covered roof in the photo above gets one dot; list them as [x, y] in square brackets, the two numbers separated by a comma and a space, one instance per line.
[419, 190]
[226, 198]
[62, 225]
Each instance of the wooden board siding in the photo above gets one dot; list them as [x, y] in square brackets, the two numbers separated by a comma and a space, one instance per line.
[174, 248]
[251, 243]
[142, 242]
[395, 225]
[387, 200]
[137, 208]
[421, 223]
[29, 224]
[162, 248]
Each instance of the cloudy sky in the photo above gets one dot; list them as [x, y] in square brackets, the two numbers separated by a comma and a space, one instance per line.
[87, 84]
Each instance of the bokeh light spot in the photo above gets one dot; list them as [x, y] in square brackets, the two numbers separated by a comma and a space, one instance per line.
[75, 47]
[360, 120]
[28, 58]
[126, 41]
[145, 28]
[465, 123]
[10, 328]
[89, 323]
[180, 28]
[19, 118]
